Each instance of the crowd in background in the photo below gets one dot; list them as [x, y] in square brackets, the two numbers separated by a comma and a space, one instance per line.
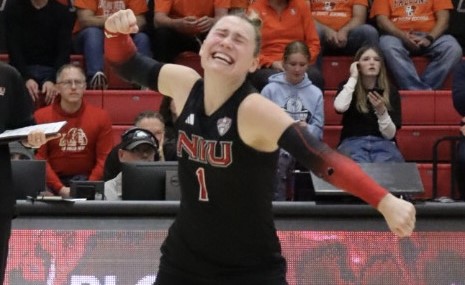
[40, 35]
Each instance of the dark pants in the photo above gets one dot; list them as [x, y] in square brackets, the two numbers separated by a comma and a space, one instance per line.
[5, 231]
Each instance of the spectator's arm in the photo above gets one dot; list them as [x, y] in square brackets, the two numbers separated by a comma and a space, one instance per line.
[442, 23]
[386, 126]
[344, 97]
[359, 15]
[316, 123]
[385, 24]
[140, 21]
[103, 148]
[161, 19]
[87, 18]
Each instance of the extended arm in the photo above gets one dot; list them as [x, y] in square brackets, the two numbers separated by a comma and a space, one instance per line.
[273, 128]
[346, 174]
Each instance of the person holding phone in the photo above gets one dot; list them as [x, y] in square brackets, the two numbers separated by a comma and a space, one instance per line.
[371, 110]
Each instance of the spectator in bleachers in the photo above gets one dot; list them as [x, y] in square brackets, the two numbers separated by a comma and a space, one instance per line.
[457, 23]
[342, 27]
[153, 122]
[91, 15]
[371, 110]
[458, 97]
[86, 139]
[183, 24]
[39, 43]
[283, 22]
[416, 30]
[303, 101]
[136, 145]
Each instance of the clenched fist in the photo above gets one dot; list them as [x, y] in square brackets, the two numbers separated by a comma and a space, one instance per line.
[122, 22]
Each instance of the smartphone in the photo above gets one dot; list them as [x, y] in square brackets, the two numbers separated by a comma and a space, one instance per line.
[377, 89]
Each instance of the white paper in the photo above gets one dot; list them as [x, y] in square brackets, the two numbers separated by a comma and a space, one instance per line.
[48, 129]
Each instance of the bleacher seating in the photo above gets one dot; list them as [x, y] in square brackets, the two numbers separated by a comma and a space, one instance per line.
[426, 115]
[118, 130]
[335, 70]
[94, 97]
[124, 105]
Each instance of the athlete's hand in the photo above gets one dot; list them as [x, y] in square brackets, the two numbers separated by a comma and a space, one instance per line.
[399, 215]
[123, 22]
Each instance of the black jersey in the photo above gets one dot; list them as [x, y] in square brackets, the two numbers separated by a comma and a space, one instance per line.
[16, 110]
[225, 225]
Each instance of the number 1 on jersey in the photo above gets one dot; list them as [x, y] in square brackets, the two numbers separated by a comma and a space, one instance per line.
[203, 193]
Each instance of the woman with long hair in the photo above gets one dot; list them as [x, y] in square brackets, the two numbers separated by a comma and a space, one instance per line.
[371, 110]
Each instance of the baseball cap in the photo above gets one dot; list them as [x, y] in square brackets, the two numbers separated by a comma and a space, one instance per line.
[17, 148]
[137, 136]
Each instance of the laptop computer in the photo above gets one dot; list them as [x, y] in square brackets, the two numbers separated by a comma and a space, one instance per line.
[397, 178]
[86, 189]
[28, 177]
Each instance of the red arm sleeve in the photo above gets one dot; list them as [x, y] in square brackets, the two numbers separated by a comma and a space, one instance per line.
[328, 164]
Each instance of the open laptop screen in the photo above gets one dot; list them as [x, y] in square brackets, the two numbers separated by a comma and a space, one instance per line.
[28, 177]
[145, 180]
[397, 178]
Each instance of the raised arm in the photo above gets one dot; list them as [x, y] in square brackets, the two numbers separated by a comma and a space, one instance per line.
[171, 80]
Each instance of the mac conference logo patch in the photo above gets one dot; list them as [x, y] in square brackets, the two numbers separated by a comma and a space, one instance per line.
[223, 125]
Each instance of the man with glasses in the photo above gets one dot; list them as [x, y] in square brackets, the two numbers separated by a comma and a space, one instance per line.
[136, 145]
[153, 122]
[86, 139]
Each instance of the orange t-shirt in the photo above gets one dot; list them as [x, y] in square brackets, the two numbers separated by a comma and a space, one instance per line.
[295, 23]
[108, 7]
[336, 13]
[240, 4]
[416, 15]
[183, 8]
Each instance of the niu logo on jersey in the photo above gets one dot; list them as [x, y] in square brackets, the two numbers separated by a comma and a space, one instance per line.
[204, 151]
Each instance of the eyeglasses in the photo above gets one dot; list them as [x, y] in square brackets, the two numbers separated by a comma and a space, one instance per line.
[143, 151]
[135, 134]
[71, 83]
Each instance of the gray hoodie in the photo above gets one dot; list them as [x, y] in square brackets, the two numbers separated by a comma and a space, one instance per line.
[302, 101]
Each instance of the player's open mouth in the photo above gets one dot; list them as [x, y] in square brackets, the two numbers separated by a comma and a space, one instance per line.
[223, 57]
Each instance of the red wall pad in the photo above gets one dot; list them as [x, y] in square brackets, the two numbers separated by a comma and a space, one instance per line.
[124, 105]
